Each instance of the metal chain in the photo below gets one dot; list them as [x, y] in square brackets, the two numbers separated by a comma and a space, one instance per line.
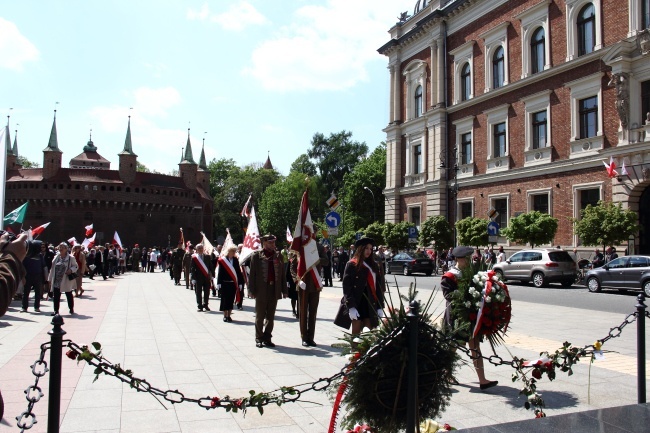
[33, 393]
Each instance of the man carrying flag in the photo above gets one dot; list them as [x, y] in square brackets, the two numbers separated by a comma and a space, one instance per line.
[201, 271]
[306, 271]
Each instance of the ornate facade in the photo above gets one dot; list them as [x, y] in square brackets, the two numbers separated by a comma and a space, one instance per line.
[514, 106]
[144, 208]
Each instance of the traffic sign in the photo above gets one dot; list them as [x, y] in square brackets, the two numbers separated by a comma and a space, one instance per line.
[413, 235]
[333, 219]
[492, 213]
[326, 242]
[493, 239]
[333, 232]
[493, 228]
[358, 235]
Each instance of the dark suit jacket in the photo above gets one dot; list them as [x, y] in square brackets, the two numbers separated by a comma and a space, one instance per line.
[196, 273]
[223, 276]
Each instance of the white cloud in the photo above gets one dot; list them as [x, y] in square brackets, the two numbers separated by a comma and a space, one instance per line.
[326, 47]
[237, 17]
[15, 49]
[155, 102]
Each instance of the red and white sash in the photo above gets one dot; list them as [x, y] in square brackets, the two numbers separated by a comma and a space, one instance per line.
[371, 280]
[202, 267]
[230, 269]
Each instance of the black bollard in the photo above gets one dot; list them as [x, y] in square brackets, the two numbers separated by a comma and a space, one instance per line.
[640, 347]
[411, 399]
[56, 352]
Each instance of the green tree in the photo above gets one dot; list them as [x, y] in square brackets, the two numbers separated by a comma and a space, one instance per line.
[140, 167]
[303, 165]
[436, 229]
[376, 232]
[335, 156]
[534, 228]
[472, 231]
[397, 235]
[605, 224]
[346, 239]
[362, 197]
[26, 163]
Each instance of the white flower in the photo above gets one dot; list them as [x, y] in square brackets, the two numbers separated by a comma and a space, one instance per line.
[478, 305]
[476, 294]
[488, 299]
[472, 290]
[468, 304]
[476, 279]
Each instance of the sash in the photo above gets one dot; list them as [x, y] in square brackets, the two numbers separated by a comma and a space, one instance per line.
[372, 281]
[230, 269]
[202, 267]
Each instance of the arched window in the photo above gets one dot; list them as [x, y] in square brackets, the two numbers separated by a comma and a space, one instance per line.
[465, 82]
[418, 101]
[645, 14]
[498, 75]
[586, 30]
[537, 51]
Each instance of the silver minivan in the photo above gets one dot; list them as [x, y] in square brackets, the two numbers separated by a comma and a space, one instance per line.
[541, 266]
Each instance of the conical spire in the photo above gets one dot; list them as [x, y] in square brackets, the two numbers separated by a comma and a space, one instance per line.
[8, 139]
[15, 148]
[188, 158]
[202, 164]
[128, 145]
[267, 165]
[53, 144]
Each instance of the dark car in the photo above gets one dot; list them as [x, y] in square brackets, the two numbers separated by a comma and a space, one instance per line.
[624, 273]
[407, 263]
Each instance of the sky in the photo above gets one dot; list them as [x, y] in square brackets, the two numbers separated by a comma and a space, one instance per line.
[251, 77]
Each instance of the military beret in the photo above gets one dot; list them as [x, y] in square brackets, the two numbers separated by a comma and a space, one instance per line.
[462, 251]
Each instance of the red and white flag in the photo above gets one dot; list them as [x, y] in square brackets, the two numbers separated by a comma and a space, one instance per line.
[116, 240]
[304, 243]
[611, 167]
[72, 241]
[89, 242]
[244, 211]
[227, 244]
[38, 230]
[207, 245]
[252, 241]
[289, 237]
[89, 230]
[624, 170]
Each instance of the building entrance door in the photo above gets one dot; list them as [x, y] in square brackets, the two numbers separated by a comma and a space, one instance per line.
[644, 222]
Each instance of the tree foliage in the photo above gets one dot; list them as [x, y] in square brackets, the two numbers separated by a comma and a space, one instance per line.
[472, 231]
[376, 232]
[335, 156]
[437, 230]
[605, 224]
[140, 167]
[396, 235]
[534, 228]
[303, 165]
[26, 163]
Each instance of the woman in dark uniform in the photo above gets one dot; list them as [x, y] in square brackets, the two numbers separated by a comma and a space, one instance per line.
[291, 284]
[363, 301]
[229, 278]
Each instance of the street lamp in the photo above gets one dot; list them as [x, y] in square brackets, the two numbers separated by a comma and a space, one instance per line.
[374, 216]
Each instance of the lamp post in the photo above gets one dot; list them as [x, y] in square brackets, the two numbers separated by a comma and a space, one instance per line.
[374, 216]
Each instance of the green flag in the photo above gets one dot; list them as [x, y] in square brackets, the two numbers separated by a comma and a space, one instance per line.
[17, 215]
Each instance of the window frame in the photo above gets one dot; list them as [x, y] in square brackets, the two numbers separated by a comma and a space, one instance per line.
[535, 126]
[580, 89]
[534, 104]
[532, 193]
[494, 39]
[573, 9]
[459, 203]
[466, 82]
[417, 159]
[576, 189]
[582, 26]
[497, 116]
[491, 200]
[585, 115]
[535, 65]
[464, 126]
[415, 75]
[410, 210]
[498, 68]
[417, 103]
[462, 55]
[532, 19]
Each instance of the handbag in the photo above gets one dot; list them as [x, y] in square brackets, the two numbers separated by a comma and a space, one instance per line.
[72, 276]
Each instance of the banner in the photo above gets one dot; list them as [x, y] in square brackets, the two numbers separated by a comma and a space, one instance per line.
[304, 241]
[17, 215]
[89, 242]
[38, 230]
[227, 244]
[207, 246]
[252, 240]
[116, 240]
[89, 230]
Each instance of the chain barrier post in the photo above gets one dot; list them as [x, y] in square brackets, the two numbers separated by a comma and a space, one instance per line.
[411, 399]
[640, 347]
[56, 353]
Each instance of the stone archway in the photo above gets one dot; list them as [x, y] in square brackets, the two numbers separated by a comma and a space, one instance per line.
[644, 222]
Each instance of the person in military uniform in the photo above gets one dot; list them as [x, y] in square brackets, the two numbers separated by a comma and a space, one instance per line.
[187, 262]
[267, 284]
[202, 273]
[309, 297]
[177, 264]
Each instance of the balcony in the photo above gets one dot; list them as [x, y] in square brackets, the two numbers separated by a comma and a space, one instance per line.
[414, 179]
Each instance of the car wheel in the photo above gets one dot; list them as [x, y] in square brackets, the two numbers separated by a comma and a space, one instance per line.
[499, 274]
[539, 280]
[567, 283]
[593, 285]
[646, 287]
[407, 271]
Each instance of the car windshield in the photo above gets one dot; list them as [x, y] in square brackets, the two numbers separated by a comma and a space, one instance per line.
[560, 256]
[419, 256]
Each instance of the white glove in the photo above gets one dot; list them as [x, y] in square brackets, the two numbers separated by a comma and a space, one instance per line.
[219, 286]
[194, 282]
[302, 285]
[380, 313]
[354, 314]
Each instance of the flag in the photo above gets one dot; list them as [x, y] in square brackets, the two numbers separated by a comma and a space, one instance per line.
[244, 211]
[252, 239]
[207, 246]
[227, 244]
[17, 215]
[116, 240]
[181, 240]
[333, 202]
[38, 230]
[89, 242]
[289, 237]
[89, 230]
[611, 167]
[304, 243]
[72, 241]
[624, 170]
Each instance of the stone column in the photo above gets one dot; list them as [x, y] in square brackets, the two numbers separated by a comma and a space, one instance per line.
[441, 73]
[397, 93]
[391, 117]
[434, 73]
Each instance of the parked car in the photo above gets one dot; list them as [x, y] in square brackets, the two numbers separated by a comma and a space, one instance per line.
[407, 263]
[624, 273]
[541, 266]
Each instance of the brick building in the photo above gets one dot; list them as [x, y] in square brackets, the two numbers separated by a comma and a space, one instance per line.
[144, 208]
[515, 105]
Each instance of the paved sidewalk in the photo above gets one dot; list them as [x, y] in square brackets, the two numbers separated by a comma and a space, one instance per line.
[151, 326]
